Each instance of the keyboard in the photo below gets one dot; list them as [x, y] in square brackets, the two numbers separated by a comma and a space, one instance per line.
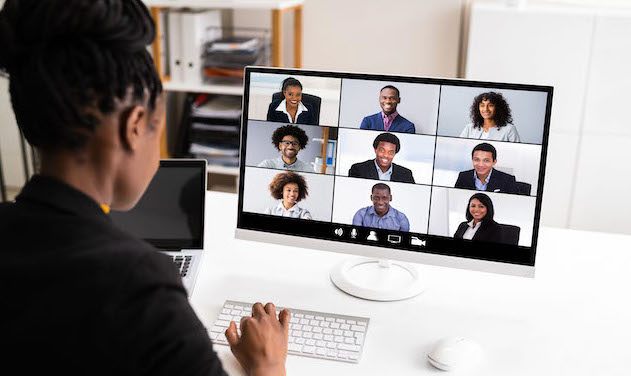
[183, 264]
[312, 334]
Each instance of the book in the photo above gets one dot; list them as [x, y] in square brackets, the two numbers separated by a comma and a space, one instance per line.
[197, 28]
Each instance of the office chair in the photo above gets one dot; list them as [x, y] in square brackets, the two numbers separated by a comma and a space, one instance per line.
[510, 234]
[523, 188]
[309, 100]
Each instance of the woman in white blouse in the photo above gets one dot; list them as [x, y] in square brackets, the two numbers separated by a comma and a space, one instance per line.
[288, 188]
[491, 119]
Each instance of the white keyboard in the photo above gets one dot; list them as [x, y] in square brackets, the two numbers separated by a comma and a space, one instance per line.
[313, 334]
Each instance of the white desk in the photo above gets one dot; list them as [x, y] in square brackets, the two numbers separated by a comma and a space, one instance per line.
[574, 318]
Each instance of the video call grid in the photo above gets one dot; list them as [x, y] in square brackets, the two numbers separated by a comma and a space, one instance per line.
[435, 135]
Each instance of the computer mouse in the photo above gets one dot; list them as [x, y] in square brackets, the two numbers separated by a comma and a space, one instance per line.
[454, 353]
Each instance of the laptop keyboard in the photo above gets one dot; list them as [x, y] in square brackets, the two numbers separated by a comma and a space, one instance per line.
[312, 334]
[183, 264]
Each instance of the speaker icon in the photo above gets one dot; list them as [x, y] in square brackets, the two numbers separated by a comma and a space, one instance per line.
[339, 231]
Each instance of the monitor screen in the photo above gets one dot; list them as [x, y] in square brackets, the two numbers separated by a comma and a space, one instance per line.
[410, 165]
[170, 214]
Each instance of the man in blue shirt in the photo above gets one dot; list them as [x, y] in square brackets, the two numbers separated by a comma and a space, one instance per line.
[388, 119]
[380, 214]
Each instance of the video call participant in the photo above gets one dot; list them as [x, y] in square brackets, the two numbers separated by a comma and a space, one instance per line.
[483, 177]
[480, 224]
[386, 146]
[289, 140]
[291, 109]
[82, 295]
[289, 188]
[380, 214]
[388, 119]
[491, 119]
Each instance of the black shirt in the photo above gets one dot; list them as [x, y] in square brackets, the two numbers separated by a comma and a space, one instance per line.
[79, 296]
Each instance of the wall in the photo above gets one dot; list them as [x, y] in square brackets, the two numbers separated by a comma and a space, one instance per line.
[410, 37]
[585, 53]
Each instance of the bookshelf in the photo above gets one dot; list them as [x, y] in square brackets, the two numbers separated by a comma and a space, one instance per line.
[276, 7]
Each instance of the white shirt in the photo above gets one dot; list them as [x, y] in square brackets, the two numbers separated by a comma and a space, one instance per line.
[471, 230]
[283, 108]
[293, 212]
[505, 133]
[384, 175]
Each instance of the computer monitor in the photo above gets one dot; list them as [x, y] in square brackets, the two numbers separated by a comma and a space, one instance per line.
[436, 171]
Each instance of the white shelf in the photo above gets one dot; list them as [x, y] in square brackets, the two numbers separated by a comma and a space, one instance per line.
[213, 169]
[211, 88]
[225, 4]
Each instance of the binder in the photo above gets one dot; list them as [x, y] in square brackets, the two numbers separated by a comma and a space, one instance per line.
[175, 42]
[197, 28]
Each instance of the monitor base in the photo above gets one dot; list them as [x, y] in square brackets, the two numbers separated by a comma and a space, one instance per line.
[381, 280]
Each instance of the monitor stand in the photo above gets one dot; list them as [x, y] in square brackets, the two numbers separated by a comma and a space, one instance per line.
[381, 280]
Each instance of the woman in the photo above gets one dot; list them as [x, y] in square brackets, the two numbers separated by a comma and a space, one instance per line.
[290, 108]
[480, 224]
[87, 297]
[491, 119]
[288, 188]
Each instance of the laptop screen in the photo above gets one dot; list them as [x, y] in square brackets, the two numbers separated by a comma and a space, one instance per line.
[170, 214]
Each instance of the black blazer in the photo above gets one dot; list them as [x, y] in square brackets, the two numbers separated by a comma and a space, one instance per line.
[306, 117]
[489, 231]
[368, 170]
[91, 297]
[499, 182]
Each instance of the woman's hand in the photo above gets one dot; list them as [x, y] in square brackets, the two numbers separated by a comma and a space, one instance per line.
[262, 346]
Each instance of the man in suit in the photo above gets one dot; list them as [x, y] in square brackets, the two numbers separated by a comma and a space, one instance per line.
[386, 146]
[483, 177]
[388, 119]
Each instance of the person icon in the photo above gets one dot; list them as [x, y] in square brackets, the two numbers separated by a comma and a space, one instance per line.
[372, 236]
[389, 118]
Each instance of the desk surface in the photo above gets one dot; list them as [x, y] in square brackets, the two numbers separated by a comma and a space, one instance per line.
[573, 318]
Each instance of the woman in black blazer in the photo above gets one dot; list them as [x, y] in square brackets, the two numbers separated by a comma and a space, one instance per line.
[480, 221]
[87, 96]
[291, 108]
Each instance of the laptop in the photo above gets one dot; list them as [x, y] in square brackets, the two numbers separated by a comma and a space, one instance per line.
[170, 215]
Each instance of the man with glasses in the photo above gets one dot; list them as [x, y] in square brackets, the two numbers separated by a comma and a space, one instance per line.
[386, 146]
[289, 140]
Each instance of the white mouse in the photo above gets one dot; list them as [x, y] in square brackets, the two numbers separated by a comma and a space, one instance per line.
[454, 353]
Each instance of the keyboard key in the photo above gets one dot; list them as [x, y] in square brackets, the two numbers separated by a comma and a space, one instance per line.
[294, 347]
[344, 346]
[358, 328]
[345, 327]
[308, 350]
[309, 317]
[321, 351]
